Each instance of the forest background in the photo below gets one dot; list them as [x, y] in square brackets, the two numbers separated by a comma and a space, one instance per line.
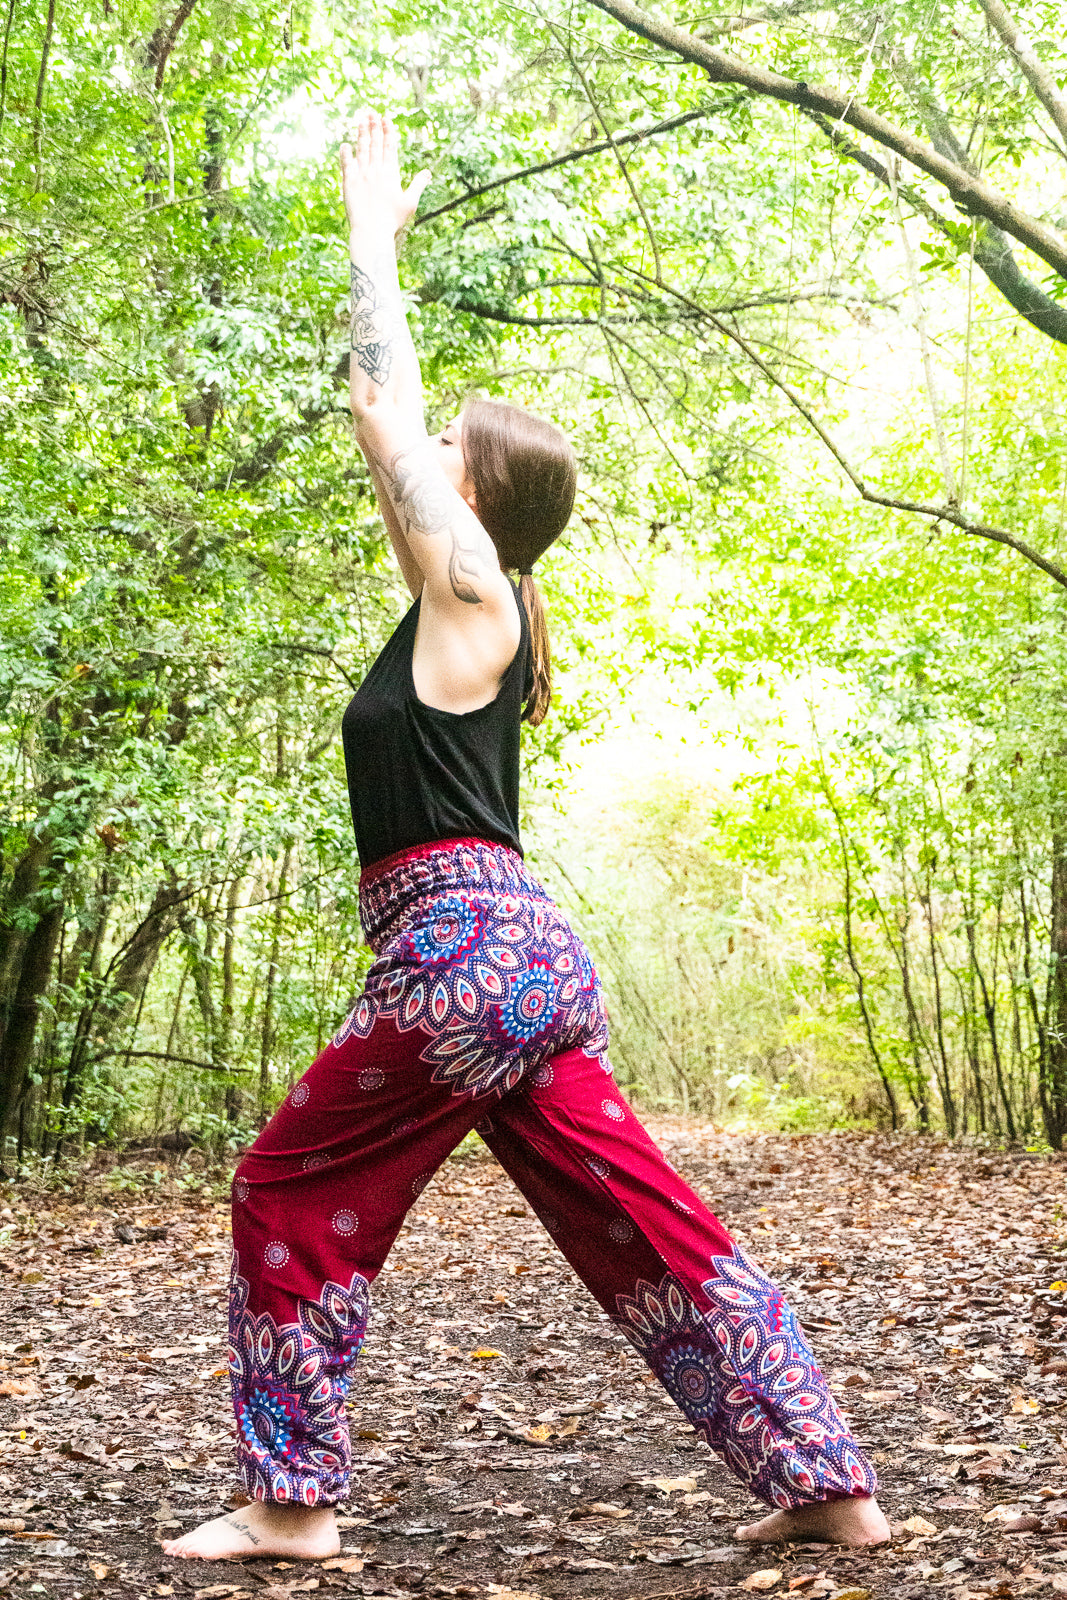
[795, 283]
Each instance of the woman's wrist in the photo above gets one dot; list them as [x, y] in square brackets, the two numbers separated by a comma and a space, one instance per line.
[362, 238]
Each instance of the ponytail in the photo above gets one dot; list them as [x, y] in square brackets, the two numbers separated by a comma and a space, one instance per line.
[541, 693]
[523, 473]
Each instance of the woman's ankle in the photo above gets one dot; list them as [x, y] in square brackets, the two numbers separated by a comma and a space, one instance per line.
[290, 1512]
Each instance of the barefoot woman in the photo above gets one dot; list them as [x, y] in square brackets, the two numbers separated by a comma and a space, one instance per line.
[482, 1008]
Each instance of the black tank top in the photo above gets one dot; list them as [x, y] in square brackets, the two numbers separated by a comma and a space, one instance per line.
[417, 774]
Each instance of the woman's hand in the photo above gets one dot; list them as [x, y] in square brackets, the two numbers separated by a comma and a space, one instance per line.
[375, 199]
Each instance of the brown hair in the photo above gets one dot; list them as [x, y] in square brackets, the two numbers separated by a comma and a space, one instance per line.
[523, 473]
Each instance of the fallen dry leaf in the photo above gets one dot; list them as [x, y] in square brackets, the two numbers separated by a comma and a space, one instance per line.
[670, 1485]
[1005, 1513]
[98, 1570]
[919, 1525]
[953, 1278]
[765, 1579]
[600, 1508]
[343, 1564]
[484, 1354]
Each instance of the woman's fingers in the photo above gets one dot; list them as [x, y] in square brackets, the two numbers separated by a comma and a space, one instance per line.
[370, 167]
[374, 152]
[390, 143]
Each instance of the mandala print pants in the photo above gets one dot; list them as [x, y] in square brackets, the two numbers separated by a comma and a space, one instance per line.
[483, 1010]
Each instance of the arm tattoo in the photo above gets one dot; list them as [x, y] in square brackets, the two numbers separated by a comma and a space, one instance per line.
[373, 327]
[427, 504]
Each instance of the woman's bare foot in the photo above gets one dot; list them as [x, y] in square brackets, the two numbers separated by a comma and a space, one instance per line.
[259, 1529]
[857, 1521]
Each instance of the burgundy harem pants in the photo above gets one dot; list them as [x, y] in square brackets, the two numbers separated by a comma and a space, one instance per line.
[483, 1010]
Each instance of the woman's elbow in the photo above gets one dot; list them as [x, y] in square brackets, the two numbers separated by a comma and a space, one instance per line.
[363, 407]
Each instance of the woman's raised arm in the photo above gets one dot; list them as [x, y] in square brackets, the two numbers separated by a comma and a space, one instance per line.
[384, 368]
[434, 531]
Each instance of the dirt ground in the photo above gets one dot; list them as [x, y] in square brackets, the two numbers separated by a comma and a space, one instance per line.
[507, 1440]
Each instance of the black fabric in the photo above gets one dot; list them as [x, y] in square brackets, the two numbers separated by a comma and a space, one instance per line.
[417, 774]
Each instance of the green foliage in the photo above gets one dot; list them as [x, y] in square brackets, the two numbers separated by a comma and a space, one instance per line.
[194, 577]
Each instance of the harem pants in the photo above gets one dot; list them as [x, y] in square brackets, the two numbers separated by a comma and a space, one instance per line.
[483, 1010]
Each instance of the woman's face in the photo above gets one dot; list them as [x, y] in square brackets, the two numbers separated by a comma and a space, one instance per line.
[450, 451]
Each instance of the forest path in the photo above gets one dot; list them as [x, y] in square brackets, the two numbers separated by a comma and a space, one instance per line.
[555, 1466]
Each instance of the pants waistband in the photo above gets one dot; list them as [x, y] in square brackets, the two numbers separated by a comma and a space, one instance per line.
[390, 890]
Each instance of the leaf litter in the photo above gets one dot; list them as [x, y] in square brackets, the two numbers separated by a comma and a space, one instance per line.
[507, 1442]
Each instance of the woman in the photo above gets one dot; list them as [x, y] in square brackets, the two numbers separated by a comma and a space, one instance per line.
[482, 1010]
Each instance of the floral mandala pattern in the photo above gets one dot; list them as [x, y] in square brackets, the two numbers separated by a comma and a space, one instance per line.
[496, 977]
[289, 1384]
[745, 1376]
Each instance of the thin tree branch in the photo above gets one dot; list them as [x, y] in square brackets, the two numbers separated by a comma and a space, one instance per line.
[1034, 69]
[943, 513]
[523, 320]
[164, 1055]
[971, 194]
[579, 155]
[318, 650]
[3, 62]
[609, 136]
[948, 477]
[163, 41]
[38, 104]
[992, 251]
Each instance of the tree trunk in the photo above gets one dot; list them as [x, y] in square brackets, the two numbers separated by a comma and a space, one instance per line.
[1054, 1066]
[269, 1034]
[20, 1031]
[28, 940]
